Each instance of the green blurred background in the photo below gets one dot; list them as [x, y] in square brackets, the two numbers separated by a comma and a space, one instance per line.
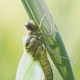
[66, 14]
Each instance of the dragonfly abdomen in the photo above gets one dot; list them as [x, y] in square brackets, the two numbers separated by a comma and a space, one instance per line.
[48, 75]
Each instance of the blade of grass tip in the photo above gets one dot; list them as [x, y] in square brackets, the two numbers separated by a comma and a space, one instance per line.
[35, 10]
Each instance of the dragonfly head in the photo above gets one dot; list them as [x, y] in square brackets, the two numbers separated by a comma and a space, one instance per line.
[31, 26]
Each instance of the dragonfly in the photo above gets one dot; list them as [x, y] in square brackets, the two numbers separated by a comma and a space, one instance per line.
[36, 45]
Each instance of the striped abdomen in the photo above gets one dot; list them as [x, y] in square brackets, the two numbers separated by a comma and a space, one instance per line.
[48, 75]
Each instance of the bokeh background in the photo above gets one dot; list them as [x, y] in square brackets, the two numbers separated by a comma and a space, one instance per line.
[66, 14]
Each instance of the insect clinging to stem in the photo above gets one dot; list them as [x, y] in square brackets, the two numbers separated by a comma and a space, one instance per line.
[36, 46]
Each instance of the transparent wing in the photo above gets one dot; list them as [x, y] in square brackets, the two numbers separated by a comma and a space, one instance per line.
[28, 69]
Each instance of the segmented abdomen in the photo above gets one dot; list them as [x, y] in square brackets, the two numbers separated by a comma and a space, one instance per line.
[48, 75]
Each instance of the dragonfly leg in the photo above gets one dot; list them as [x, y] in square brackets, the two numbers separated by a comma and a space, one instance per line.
[42, 21]
[48, 34]
[41, 26]
[48, 47]
[57, 55]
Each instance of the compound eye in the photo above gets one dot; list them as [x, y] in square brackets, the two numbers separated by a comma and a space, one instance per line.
[31, 25]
